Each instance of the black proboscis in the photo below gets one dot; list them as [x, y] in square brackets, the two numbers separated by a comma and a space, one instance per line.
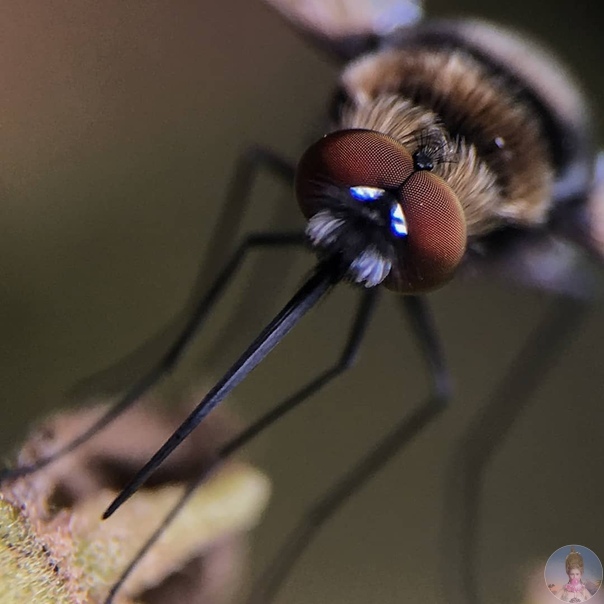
[344, 362]
[325, 276]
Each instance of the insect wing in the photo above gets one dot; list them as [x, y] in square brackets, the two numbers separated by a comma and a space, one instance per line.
[347, 28]
[593, 222]
[552, 260]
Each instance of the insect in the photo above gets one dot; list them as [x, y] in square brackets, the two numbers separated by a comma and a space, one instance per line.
[460, 194]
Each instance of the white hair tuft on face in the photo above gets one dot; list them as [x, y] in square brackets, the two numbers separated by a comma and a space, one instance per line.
[370, 268]
[321, 228]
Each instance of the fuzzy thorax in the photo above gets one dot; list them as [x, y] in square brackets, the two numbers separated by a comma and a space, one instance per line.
[498, 164]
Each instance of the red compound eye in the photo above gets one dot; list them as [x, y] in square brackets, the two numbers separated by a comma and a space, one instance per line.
[435, 242]
[350, 158]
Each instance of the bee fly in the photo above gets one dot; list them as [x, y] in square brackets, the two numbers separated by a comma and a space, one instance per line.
[454, 147]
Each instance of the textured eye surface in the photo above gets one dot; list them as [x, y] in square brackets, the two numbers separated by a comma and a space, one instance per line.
[350, 158]
[436, 239]
[384, 219]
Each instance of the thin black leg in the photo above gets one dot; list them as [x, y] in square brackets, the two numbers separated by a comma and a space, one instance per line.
[352, 345]
[266, 588]
[254, 166]
[171, 357]
[251, 163]
[485, 435]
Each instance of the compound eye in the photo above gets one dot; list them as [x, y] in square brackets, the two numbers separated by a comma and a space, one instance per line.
[412, 228]
[360, 160]
[435, 241]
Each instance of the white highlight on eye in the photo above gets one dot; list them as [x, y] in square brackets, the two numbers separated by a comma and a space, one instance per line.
[398, 222]
[370, 268]
[363, 193]
[321, 228]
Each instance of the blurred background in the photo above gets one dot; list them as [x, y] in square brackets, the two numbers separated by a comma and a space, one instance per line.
[120, 126]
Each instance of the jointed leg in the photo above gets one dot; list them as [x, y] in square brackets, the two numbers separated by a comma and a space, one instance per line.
[171, 357]
[251, 162]
[485, 435]
[424, 330]
[281, 214]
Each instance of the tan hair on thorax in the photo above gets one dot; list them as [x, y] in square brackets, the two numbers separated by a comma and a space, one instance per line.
[499, 168]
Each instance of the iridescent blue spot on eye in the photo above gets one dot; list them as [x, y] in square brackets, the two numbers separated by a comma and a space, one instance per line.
[398, 223]
[366, 193]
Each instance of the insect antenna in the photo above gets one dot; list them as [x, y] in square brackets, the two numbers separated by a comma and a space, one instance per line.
[432, 147]
[326, 275]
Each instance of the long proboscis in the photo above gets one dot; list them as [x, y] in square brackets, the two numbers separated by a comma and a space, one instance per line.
[323, 278]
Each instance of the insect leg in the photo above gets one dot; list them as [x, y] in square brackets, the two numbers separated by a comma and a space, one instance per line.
[423, 328]
[171, 357]
[486, 433]
[251, 163]
[345, 361]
